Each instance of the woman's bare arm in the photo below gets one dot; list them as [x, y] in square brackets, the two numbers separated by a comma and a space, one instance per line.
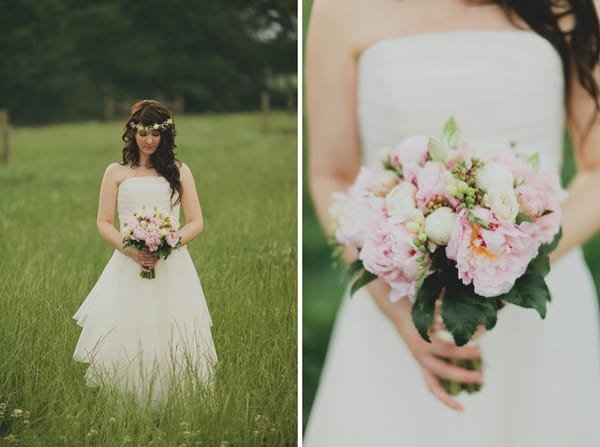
[334, 161]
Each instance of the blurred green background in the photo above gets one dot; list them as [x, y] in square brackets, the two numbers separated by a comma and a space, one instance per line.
[70, 59]
[323, 285]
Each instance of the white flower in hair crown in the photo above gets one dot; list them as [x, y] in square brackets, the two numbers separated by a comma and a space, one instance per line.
[156, 126]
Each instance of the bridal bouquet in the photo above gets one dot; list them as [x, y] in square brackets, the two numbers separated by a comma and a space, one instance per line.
[456, 225]
[153, 230]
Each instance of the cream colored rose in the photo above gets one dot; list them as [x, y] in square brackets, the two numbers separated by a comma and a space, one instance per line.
[384, 154]
[336, 208]
[502, 202]
[494, 175]
[385, 182]
[400, 202]
[439, 225]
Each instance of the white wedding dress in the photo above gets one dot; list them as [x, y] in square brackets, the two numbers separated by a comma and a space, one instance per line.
[146, 336]
[542, 376]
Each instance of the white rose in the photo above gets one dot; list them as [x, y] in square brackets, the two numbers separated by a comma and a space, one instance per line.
[413, 227]
[338, 203]
[336, 208]
[439, 225]
[502, 202]
[384, 154]
[417, 216]
[385, 182]
[494, 175]
[400, 202]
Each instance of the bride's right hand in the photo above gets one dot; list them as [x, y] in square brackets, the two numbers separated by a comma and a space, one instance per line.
[144, 258]
[430, 356]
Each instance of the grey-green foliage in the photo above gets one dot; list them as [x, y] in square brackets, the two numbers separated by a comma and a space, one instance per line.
[61, 58]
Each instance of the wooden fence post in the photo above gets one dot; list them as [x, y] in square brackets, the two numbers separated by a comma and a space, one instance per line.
[5, 130]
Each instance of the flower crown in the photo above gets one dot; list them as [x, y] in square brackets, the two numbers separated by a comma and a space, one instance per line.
[156, 126]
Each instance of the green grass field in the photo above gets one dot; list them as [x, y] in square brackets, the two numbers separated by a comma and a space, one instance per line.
[51, 255]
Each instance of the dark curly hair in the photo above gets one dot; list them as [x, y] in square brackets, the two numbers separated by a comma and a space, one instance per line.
[579, 47]
[148, 112]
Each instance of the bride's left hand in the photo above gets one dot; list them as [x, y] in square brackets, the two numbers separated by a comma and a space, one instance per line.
[147, 260]
[144, 258]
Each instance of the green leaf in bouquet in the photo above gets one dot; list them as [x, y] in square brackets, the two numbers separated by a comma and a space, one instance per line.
[364, 278]
[533, 160]
[463, 311]
[439, 262]
[355, 267]
[523, 218]
[437, 150]
[473, 218]
[450, 133]
[548, 248]
[541, 264]
[424, 306]
[530, 291]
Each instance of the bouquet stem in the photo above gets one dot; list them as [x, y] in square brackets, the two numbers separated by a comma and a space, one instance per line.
[151, 274]
[453, 388]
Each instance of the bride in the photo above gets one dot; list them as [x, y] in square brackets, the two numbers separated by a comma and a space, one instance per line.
[147, 337]
[380, 70]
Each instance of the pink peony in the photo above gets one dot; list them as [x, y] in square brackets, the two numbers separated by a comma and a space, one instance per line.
[365, 180]
[549, 224]
[490, 259]
[172, 238]
[547, 182]
[131, 223]
[518, 167]
[410, 150]
[410, 171]
[359, 215]
[431, 184]
[385, 182]
[532, 201]
[152, 241]
[138, 234]
[389, 252]
[540, 193]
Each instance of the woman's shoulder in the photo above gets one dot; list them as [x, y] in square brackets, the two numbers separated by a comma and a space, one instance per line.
[357, 24]
[184, 169]
[116, 172]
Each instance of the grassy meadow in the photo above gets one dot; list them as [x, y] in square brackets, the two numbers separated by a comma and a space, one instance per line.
[51, 256]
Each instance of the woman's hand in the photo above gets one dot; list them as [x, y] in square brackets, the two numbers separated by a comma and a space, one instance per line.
[430, 356]
[144, 258]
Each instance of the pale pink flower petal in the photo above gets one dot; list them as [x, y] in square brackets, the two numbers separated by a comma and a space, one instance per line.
[389, 252]
[412, 149]
[490, 259]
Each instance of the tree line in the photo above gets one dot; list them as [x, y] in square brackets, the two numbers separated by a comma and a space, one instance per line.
[62, 59]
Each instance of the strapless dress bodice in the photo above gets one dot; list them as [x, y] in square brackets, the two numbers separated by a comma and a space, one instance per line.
[149, 191]
[498, 85]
